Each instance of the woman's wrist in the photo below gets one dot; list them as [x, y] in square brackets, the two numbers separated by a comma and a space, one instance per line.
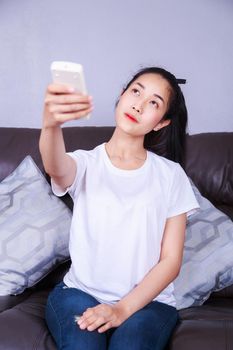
[124, 309]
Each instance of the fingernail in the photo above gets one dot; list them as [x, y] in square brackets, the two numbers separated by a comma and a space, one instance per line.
[71, 89]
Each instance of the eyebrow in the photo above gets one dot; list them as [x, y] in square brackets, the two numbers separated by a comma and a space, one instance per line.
[156, 95]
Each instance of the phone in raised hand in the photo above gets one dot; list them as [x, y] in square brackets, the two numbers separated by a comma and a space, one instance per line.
[69, 73]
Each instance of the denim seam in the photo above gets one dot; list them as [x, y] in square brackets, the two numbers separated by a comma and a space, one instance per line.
[58, 322]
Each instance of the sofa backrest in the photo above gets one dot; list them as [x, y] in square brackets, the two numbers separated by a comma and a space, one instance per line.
[209, 163]
[209, 156]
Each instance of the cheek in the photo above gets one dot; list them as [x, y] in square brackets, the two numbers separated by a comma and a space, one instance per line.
[155, 114]
[123, 105]
[126, 100]
[152, 118]
[151, 114]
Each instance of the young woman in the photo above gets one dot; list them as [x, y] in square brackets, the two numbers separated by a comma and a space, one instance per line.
[129, 217]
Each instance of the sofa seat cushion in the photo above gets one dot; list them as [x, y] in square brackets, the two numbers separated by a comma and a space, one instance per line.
[214, 309]
[28, 325]
[209, 327]
[9, 301]
[202, 335]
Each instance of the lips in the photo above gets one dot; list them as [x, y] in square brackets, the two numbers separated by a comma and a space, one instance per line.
[129, 116]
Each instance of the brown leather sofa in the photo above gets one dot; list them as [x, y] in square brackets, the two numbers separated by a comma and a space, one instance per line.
[209, 163]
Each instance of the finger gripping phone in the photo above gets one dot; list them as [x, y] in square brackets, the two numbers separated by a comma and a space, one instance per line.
[69, 73]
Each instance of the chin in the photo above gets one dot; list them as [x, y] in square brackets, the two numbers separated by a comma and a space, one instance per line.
[127, 129]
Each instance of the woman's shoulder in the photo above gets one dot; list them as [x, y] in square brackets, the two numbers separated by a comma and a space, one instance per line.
[163, 163]
[170, 172]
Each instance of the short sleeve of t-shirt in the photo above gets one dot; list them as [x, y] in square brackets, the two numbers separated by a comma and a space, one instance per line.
[79, 157]
[181, 196]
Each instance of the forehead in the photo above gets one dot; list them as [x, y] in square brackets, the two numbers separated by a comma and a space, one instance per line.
[155, 84]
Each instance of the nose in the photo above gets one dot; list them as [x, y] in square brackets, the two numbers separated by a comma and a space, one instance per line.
[137, 109]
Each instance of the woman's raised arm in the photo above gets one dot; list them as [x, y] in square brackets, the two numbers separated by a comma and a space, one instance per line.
[62, 104]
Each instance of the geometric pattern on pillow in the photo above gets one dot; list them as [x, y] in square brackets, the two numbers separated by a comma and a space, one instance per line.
[207, 264]
[34, 229]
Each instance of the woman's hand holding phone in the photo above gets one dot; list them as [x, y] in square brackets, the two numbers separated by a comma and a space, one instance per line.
[63, 103]
[66, 98]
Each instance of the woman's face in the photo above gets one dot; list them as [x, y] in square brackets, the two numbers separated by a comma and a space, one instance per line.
[142, 106]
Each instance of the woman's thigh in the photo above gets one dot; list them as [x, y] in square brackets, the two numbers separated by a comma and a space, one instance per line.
[148, 328]
[62, 306]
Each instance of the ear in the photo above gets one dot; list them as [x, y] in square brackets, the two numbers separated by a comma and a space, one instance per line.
[162, 124]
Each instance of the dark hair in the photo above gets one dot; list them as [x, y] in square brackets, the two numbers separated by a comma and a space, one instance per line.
[169, 141]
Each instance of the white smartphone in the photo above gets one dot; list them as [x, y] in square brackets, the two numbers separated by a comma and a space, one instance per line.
[69, 73]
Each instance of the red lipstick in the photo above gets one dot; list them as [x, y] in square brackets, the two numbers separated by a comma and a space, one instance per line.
[131, 118]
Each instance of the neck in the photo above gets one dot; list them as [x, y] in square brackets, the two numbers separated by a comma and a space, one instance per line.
[125, 146]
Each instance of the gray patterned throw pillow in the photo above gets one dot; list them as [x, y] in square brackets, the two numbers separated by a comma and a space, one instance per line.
[208, 255]
[34, 229]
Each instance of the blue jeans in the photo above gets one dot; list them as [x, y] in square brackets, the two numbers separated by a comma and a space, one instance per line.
[147, 329]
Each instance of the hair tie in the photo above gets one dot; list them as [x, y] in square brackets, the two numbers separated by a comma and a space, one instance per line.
[181, 81]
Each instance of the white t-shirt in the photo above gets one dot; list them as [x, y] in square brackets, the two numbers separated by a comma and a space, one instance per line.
[118, 221]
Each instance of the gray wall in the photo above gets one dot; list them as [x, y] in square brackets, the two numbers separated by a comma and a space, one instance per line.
[112, 39]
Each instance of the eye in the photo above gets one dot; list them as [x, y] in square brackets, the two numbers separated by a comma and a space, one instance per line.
[154, 104]
[135, 91]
